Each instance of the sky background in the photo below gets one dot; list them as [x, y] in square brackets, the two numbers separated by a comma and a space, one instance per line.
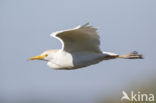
[25, 28]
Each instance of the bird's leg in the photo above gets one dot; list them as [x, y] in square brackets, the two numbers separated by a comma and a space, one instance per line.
[132, 55]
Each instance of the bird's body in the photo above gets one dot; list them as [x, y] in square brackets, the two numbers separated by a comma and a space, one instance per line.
[80, 48]
[76, 59]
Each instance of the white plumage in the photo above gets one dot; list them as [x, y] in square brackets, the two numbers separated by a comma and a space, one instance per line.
[80, 48]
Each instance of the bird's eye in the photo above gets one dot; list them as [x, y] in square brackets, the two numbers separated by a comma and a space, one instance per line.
[46, 55]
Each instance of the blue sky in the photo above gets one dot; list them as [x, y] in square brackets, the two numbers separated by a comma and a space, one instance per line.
[25, 28]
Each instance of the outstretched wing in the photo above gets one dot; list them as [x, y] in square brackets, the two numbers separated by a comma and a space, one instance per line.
[81, 38]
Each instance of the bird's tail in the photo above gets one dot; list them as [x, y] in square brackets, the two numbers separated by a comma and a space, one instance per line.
[132, 55]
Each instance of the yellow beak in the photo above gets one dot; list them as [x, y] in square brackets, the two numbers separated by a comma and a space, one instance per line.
[40, 57]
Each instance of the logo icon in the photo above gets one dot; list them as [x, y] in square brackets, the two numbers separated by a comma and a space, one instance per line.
[125, 96]
[138, 96]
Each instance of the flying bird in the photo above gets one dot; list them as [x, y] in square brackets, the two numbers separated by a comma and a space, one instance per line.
[80, 48]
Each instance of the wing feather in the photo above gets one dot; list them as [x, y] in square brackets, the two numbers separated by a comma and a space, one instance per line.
[81, 38]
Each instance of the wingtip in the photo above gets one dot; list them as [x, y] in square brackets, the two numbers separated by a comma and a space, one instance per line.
[86, 24]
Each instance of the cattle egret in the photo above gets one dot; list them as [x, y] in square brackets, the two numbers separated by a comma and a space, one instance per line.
[80, 48]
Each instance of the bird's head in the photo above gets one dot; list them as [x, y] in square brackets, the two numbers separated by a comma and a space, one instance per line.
[46, 55]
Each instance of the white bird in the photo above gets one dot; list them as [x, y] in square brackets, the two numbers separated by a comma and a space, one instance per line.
[80, 48]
